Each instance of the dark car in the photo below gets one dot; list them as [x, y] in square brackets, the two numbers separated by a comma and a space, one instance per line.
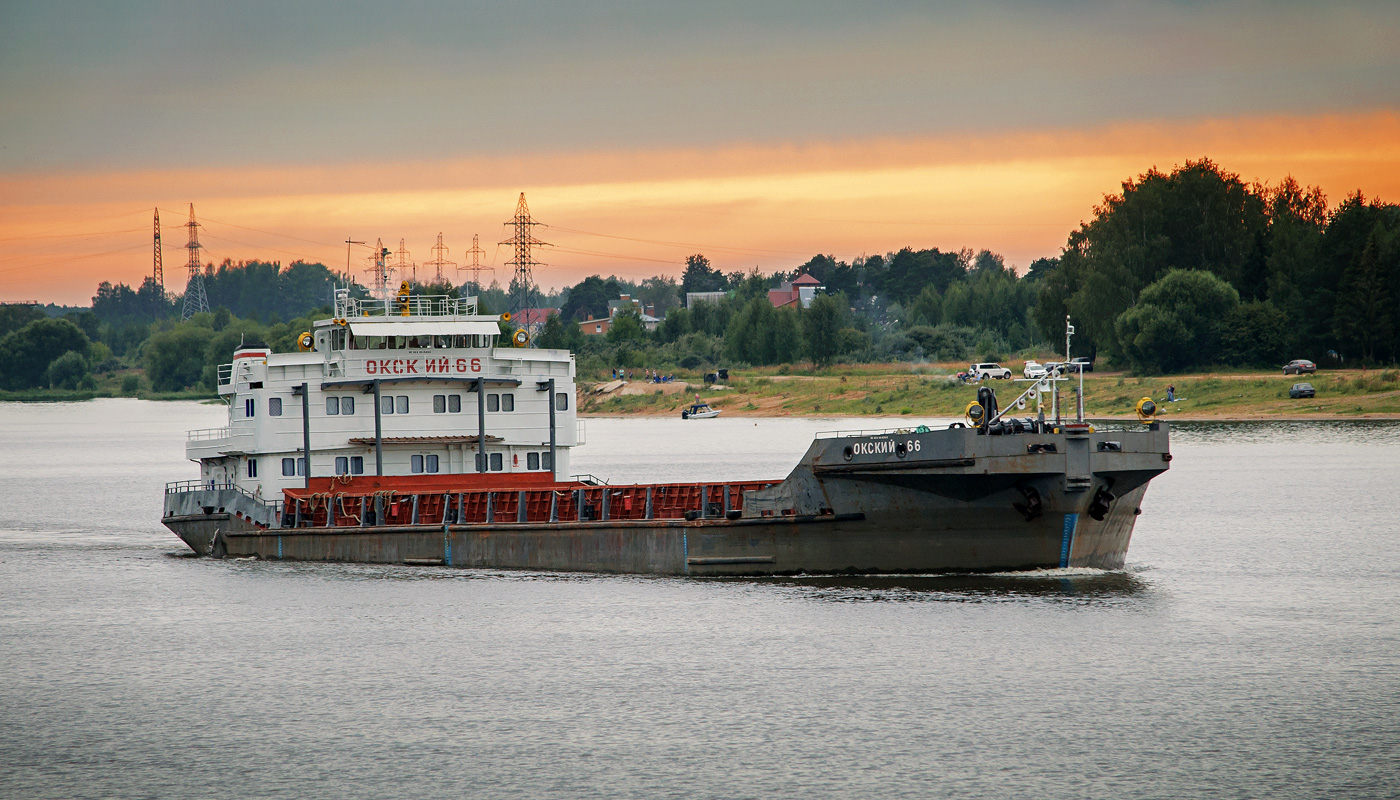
[1298, 366]
[1080, 364]
[1302, 390]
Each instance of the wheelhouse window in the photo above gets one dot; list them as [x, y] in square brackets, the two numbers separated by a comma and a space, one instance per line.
[561, 401]
[332, 406]
[274, 406]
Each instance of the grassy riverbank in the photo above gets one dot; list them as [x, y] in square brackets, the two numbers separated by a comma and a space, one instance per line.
[118, 383]
[930, 390]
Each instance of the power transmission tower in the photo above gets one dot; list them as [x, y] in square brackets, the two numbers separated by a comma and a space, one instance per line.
[158, 271]
[380, 274]
[195, 298]
[439, 260]
[404, 264]
[476, 266]
[522, 284]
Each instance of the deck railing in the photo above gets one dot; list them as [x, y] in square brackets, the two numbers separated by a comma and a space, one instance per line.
[878, 432]
[181, 487]
[214, 434]
[437, 305]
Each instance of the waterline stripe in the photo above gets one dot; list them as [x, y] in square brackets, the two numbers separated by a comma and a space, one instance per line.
[1071, 520]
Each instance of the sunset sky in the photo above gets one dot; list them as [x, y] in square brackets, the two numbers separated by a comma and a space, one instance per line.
[756, 133]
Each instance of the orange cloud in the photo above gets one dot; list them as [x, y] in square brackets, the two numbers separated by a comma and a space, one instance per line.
[640, 213]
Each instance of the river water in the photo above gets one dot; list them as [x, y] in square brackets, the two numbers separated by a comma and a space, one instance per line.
[1251, 648]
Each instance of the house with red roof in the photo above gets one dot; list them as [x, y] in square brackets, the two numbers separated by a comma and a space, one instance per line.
[802, 289]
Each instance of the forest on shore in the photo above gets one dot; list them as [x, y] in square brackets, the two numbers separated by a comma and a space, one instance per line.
[1181, 270]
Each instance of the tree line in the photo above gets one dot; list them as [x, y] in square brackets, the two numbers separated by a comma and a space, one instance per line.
[1179, 270]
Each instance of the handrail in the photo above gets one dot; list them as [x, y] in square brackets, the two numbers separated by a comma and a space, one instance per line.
[212, 434]
[437, 305]
[879, 432]
[589, 479]
[181, 487]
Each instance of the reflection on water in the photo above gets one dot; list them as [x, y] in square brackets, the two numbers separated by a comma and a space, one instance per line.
[1086, 585]
[1352, 432]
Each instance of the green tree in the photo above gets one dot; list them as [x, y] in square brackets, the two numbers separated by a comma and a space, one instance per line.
[176, 359]
[589, 299]
[674, 326]
[700, 277]
[1256, 333]
[68, 371]
[1177, 321]
[1199, 217]
[626, 327]
[820, 325]
[1363, 319]
[25, 354]
[1296, 279]
[14, 316]
[560, 335]
[927, 308]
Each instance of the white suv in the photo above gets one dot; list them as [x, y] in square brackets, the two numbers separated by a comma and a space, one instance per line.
[1034, 370]
[985, 371]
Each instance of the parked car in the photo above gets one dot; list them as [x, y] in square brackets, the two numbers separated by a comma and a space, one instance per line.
[1033, 370]
[1298, 366]
[1302, 390]
[1081, 364]
[1054, 367]
[989, 370]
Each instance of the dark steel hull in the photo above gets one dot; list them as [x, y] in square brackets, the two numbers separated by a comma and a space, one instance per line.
[957, 502]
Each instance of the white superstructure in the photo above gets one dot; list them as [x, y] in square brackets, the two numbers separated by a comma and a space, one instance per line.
[437, 370]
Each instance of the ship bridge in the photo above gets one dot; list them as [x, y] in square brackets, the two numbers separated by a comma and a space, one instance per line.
[398, 386]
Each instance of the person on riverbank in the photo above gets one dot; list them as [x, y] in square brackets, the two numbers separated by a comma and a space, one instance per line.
[1171, 394]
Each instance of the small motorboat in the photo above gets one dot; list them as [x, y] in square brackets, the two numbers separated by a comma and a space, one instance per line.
[700, 410]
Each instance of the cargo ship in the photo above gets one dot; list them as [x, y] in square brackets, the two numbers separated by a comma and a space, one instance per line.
[403, 432]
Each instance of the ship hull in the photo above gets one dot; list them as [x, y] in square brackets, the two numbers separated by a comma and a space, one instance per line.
[901, 502]
[901, 539]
